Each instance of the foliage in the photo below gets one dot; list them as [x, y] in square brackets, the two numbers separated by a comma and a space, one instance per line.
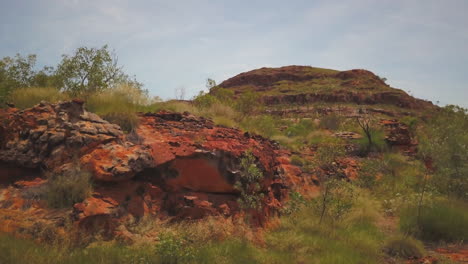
[173, 249]
[248, 183]
[404, 247]
[264, 125]
[444, 140]
[301, 129]
[333, 191]
[65, 189]
[373, 139]
[90, 70]
[443, 220]
[247, 103]
[337, 199]
[299, 239]
[377, 143]
[204, 100]
[224, 95]
[17, 72]
[30, 96]
[295, 203]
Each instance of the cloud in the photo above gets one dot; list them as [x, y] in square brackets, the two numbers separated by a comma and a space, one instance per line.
[417, 45]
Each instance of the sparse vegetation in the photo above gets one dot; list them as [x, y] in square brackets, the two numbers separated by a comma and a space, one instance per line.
[441, 221]
[248, 183]
[65, 189]
[30, 96]
[404, 247]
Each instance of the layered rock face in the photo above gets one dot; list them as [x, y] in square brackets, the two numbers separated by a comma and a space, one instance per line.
[174, 165]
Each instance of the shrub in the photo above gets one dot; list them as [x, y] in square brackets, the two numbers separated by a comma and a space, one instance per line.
[248, 183]
[378, 142]
[65, 189]
[302, 129]
[263, 125]
[443, 220]
[204, 100]
[247, 103]
[173, 249]
[404, 247]
[28, 97]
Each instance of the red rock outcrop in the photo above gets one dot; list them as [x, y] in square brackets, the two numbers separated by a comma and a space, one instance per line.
[174, 165]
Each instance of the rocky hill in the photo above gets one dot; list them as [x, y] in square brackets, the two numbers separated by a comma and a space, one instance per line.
[300, 85]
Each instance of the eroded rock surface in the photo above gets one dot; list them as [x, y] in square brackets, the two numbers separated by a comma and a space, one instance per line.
[174, 165]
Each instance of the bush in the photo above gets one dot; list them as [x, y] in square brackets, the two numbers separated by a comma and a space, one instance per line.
[204, 100]
[378, 143]
[263, 125]
[248, 183]
[173, 249]
[302, 129]
[247, 103]
[446, 221]
[66, 189]
[28, 97]
[404, 247]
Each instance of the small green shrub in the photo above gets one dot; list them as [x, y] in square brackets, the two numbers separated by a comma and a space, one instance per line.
[441, 221]
[264, 125]
[248, 183]
[173, 249]
[247, 103]
[64, 190]
[378, 143]
[302, 129]
[404, 247]
[204, 100]
[28, 97]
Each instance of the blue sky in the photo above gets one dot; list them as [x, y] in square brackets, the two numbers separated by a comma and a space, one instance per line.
[419, 46]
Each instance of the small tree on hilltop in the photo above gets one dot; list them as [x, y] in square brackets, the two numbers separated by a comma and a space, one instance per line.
[90, 70]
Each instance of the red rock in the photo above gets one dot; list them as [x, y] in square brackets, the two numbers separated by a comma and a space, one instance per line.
[181, 165]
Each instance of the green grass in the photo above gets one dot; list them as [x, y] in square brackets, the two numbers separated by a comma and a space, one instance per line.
[441, 221]
[119, 106]
[298, 239]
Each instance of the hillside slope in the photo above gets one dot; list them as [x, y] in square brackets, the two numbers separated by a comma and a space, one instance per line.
[304, 85]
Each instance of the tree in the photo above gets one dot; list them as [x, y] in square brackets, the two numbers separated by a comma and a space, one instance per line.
[16, 72]
[210, 83]
[90, 70]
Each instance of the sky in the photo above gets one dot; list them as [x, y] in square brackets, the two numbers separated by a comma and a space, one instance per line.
[420, 46]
